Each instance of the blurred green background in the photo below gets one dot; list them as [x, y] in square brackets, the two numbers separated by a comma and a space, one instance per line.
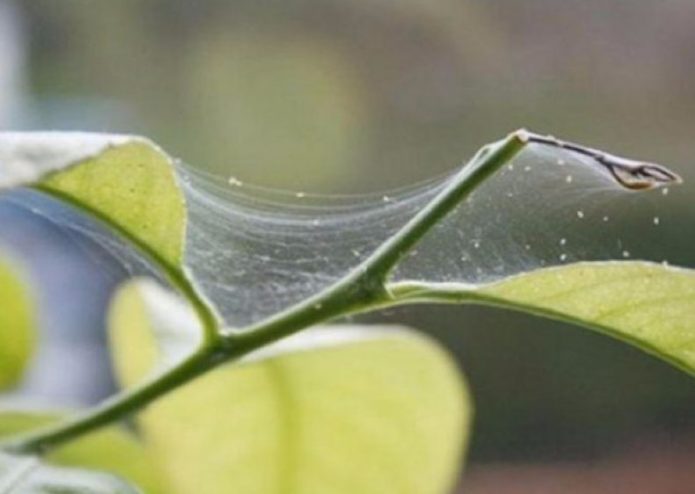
[363, 95]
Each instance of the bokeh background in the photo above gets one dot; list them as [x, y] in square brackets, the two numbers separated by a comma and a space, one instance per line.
[364, 95]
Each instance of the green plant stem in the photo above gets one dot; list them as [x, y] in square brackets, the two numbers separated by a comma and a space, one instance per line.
[485, 164]
[361, 290]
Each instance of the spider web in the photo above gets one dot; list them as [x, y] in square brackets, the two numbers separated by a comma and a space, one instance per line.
[255, 252]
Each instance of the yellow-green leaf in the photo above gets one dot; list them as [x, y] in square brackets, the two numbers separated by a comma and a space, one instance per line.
[649, 305]
[17, 325]
[331, 411]
[117, 178]
[109, 450]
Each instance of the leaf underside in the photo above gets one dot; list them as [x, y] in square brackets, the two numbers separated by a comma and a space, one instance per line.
[126, 181]
[132, 186]
[350, 411]
[648, 305]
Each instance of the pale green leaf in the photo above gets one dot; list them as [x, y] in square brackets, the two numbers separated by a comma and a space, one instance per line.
[331, 411]
[113, 177]
[110, 450]
[17, 325]
[649, 305]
